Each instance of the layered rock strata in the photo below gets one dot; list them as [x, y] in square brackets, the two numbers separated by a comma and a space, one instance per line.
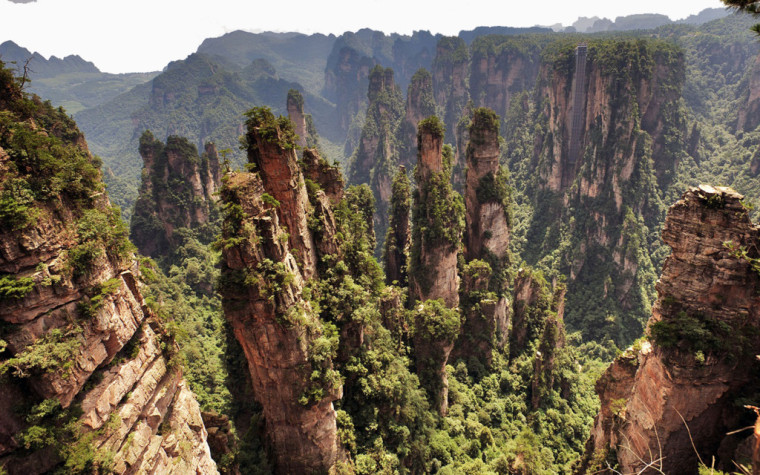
[668, 400]
[262, 289]
[89, 374]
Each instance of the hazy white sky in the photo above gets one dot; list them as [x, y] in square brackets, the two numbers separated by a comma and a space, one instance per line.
[144, 35]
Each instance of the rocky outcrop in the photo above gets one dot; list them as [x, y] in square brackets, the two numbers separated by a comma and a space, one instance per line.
[89, 377]
[328, 177]
[396, 248]
[486, 194]
[272, 150]
[486, 242]
[616, 101]
[376, 157]
[611, 129]
[419, 105]
[262, 284]
[178, 191]
[437, 222]
[303, 123]
[669, 400]
[294, 107]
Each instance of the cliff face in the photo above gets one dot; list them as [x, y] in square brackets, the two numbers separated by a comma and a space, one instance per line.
[680, 384]
[375, 159]
[450, 76]
[611, 130]
[610, 110]
[89, 382]
[177, 191]
[502, 67]
[262, 284]
[272, 150]
[486, 195]
[749, 109]
[302, 122]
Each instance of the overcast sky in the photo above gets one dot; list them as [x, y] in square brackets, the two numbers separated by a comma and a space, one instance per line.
[144, 35]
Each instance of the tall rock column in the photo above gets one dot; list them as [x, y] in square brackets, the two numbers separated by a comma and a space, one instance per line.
[438, 221]
[486, 242]
[177, 191]
[395, 249]
[486, 192]
[272, 149]
[420, 104]
[261, 285]
[671, 397]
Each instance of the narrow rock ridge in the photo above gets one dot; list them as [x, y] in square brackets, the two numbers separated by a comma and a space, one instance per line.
[671, 397]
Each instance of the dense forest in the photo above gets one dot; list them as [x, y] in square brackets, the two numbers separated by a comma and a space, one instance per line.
[388, 254]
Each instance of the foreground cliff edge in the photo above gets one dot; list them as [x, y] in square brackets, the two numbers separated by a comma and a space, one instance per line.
[674, 399]
[89, 379]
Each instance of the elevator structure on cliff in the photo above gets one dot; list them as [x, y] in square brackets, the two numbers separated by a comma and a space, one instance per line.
[578, 105]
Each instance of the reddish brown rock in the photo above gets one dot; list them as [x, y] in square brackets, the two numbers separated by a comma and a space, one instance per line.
[672, 397]
[276, 327]
[272, 151]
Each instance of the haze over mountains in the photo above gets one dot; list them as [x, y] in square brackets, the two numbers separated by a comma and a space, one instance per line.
[386, 253]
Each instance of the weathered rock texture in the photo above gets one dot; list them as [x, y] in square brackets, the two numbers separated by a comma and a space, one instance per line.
[672, 397]
[450, 75]
[485, 198]
[328, 177]
[262, 287]
[376, 157]
[487, 240]
[302, 122]
[80, 340]
[177, 191]
[630, 128]
[396, 248]
[420, 104]
[501, 67]
[436, 236]
[271, 149]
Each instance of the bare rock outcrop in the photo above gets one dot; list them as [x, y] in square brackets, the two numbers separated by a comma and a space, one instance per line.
[671, 397]
[437, 220]
[262, 285]
[272, 150]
